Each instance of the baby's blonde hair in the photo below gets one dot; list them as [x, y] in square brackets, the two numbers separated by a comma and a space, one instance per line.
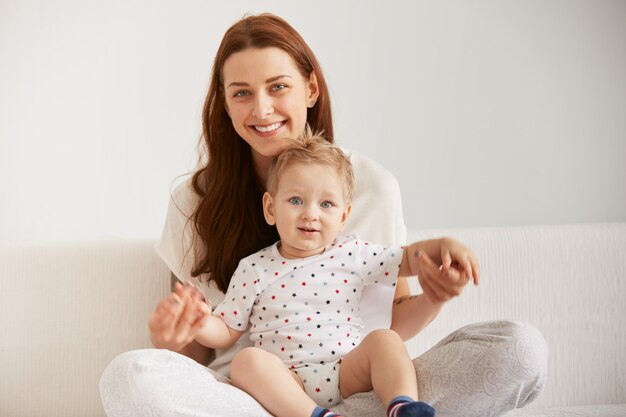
[312, 148]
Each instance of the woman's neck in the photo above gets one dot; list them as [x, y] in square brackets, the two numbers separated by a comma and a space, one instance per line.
[261, 166]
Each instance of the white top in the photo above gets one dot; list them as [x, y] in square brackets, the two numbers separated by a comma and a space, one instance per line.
[307, 310]
[376, 216]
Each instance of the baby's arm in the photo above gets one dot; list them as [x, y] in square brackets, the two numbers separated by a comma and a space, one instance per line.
[216, 334]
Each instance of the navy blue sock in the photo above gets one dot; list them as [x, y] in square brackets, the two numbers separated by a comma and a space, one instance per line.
[406, 407]
[323, 412]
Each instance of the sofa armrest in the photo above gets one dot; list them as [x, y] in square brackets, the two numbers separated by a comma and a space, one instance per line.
[569, 282]
[68, 309]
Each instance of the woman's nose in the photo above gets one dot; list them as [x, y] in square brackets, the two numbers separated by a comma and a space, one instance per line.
[263, 106]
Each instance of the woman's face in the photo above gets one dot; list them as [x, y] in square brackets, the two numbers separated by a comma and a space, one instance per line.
[267, 99]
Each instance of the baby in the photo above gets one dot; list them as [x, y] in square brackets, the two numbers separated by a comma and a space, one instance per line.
[299, 298]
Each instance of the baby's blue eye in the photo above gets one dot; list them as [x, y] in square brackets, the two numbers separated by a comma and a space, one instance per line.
[296, 201]
[326, 204]
[279, 87]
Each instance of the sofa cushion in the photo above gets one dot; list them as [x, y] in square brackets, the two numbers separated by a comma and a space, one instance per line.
[610, 410]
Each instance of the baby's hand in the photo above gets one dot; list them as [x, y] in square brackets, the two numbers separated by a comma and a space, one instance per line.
[197, 306]
[458, 256]
[178, 318]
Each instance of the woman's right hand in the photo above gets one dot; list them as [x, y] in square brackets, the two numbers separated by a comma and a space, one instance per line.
[177, 319]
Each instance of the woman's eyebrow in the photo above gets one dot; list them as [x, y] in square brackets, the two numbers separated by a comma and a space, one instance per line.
[269, 80]
[278, 77]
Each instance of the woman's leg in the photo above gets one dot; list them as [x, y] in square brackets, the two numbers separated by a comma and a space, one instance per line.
[481, 370]
[484, 369]
[152, 382]
[267, 379]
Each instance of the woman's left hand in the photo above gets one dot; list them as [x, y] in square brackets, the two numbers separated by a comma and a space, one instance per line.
[458, 256]
[439, 286]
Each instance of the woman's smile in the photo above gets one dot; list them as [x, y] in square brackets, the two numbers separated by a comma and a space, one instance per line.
[268, 129]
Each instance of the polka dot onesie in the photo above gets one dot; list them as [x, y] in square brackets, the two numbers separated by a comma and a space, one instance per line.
[306, 311]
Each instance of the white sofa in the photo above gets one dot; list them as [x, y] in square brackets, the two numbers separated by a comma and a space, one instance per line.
[68, 308]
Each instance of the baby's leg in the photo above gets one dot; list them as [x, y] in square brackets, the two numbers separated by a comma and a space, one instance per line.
[382, 363]
[271, 383]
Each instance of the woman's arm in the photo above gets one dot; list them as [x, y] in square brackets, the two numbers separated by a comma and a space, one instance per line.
[198, 352]
[412, 313]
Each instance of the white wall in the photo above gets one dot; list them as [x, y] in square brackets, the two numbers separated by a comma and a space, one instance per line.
[488, 112]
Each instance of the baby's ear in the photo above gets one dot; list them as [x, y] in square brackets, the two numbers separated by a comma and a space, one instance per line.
[268, 209]
[345, 215]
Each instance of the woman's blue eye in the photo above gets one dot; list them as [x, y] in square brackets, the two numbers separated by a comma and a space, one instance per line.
[241, 93]
[296, 201]
[326, 204]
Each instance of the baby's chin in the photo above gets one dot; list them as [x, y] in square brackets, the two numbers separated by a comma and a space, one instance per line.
[298, 252]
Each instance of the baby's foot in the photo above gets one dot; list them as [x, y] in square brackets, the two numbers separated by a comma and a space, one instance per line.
[406, 407]
[323, 412]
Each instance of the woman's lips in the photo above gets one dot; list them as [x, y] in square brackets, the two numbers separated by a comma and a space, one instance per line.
[268, 129]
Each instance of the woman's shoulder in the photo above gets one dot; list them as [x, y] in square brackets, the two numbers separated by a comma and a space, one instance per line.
[377, 203]
[367, 167]
[183, 197]
[371, 178]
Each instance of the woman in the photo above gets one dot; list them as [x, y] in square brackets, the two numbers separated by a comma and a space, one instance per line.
[265, 87]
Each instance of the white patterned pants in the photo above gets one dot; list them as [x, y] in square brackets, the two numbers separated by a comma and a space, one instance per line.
[480, 370]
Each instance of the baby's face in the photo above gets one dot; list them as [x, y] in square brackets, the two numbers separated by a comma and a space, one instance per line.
[309, 209]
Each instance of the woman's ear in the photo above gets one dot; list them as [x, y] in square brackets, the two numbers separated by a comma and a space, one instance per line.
[313, 90]
[268, 209]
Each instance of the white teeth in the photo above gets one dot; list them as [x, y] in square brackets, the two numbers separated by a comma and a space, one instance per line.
[269, 128]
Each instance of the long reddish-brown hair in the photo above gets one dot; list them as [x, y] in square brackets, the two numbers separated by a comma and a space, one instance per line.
[228, 219]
